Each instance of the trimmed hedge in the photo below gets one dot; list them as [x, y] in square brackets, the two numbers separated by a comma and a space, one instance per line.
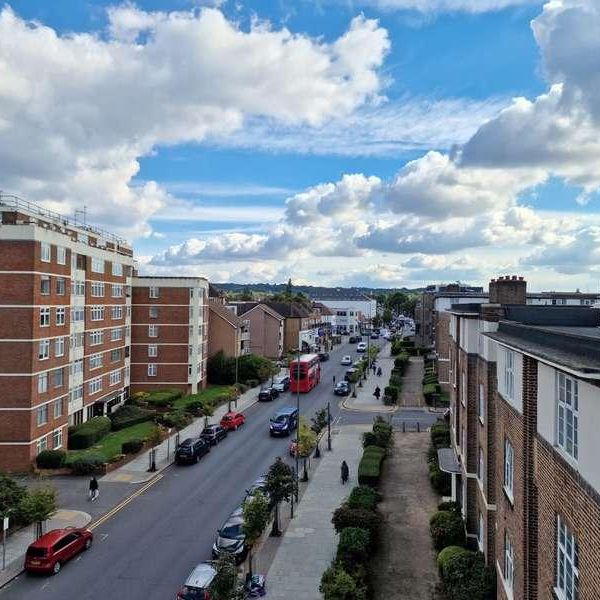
[440, 481]
[447, 529]
[440, 435]
[87, 434]
[87, 465]
[369, 468]
[344, 517]
[450, 506]
[177, 418]
[129, 415]
[392, 392]
[132, 446]
[363, 496]
[338, 584]
[353, 546]
[447, 555]
[465, 576]
[50, 459]
[163, 398]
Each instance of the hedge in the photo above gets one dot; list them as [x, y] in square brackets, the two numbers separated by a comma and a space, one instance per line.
[177, 418]
[87, 434]
[163, 398]
[132, 446]
[447, 529]
[50, 459]
[440, 435]
[440, 481]
[353, 546]
[450, 506]
[465, 576]
[338, 584]
[344, 517]
[429, 389]
[363, 496]
[392, 392]
[369, 468]
[447, 555]
[87, 465]
[129, 415]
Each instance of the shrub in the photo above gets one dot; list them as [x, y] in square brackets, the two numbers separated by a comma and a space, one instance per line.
[88, 433]
[177, 418]
[155, 436]
[447, 555]
[440, 435]
[129, 415]
[50, 459]
[363, 496]
[252, 383]
[195, 407]
[440, 481]
[11, 496]
[369, 439]
[450, 506]
[337, 584]
[447, 529]
[383, 431]
[465, 577]
[87, 465]
[344, 517]
[242, 388]
[429, 389]
[163, 398]
[132, 446]
[139, 396]
[392, 392]
[353, 546]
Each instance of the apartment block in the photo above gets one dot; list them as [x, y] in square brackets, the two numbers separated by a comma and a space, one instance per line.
[525, 394]
[266, 328]
[65, 326]
[228, 333]
[169, 333]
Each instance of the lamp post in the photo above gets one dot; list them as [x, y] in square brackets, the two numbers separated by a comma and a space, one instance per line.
[298, 425]
[237, 355]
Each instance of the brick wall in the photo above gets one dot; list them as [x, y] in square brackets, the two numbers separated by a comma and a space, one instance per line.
[442, 344]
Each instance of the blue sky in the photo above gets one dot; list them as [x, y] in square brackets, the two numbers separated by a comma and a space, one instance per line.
[223, 179]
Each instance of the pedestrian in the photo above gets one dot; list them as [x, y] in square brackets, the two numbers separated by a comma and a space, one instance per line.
[345, 472]
[374, 368]
[94, 491]
[377, 392]
[379, 372]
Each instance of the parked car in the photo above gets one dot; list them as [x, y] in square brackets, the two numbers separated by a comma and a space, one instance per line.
[191, 450]
[213, 434]
[197, 584]
[232, 420]
[352, 340]
[268, 394]
[230, 538]
[350, 373]
[323, 356]
[346, 360]
[51, 551]
[259, 485]
[281, 384]
[361, 347]
[342, 388]
[284, 421]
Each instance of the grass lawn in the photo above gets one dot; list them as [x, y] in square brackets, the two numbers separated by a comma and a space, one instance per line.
[209, 394]
[110, 445]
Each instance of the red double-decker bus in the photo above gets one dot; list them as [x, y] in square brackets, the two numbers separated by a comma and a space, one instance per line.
[305, 373]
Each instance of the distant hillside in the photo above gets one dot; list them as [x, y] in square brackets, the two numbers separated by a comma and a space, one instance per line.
[310, 290]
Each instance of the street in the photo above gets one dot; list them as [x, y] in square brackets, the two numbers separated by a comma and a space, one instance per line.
[147, 549]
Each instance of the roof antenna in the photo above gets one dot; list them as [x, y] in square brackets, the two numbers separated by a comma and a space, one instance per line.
[82, 212]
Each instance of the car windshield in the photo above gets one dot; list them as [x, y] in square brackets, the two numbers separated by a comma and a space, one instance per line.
[279, 419]
[208, 430]
[232, 531]
[227, 417]
[192, 593]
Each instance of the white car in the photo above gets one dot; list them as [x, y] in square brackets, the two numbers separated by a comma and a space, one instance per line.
[347, 360]
[282, 384]
[361, 347]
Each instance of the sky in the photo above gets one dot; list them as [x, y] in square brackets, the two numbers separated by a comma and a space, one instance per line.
[383, 143]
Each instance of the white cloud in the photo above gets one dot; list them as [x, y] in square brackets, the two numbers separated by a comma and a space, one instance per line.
[77, 111]
[447, 6]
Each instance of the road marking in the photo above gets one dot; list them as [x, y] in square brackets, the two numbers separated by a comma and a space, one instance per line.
[45, 585]
[103, 536]
[124, 503]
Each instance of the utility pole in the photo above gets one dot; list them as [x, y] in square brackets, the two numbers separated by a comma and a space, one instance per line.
[298, 425]
[328, 427]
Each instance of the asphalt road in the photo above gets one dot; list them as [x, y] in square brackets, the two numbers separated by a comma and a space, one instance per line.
[147, 549]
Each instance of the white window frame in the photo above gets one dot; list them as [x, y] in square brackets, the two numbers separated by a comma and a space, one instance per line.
[42, 415]
[60, 315]
[96, 337]
[97, 265]
[62, 378]
[41, 444]
[115, 377]
[44, 350]
[153, 312]
[46, 252]
[567, 562]
[78, 287]
[61, 255]
[95, 385]
[57, 438]
[152, 350]
[152, 370]
[509, 469]
[59, 346]
[95, 361]
[508, 568]
[117, 312]
[60, 280]
[117, 290]
[509, 374]
[43, 383]
[153, 292]
[45, 285]
[78, 314]
[58, 404]
[118, 350]
[117, 268]
[116, 334]
[97, 313]
[567, 415]
[481, 532]
[481, 466]
[97, 289]
[152, 331]
[482, 403]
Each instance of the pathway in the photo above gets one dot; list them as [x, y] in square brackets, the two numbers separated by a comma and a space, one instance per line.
[412, 384]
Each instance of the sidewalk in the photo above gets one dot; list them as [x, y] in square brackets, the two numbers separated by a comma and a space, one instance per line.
[136, 471]
[17, 543]
[411, 393]
[310, 542]
[365, 401]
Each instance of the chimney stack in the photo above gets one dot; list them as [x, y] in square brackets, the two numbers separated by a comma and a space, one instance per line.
[508, 290]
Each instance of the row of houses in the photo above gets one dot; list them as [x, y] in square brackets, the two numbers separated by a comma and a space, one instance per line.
[524, 385]
[80, 329]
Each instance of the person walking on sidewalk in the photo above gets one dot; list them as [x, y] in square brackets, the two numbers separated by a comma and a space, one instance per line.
[345, 472]
[94, 489]
[374, 367]
[379, 372]
[377, 392]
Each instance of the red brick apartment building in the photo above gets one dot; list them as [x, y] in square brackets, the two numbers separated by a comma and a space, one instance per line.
[65, 319]
[169, 339]
[525, 404]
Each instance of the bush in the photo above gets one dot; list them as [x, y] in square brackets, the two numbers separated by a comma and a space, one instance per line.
[242, 388]
[363, 496]
[132, 446]
[87, 434]
[195, 407]
[11, 496]
[129, 415]
[440, 435]
[163, 398]
[252, 383]
[87, 465]
[139, 397]
[344, 517]
[392, 392]
[440, 481]
[177, 418]
[450, 506]
[465, 577]
[353, 547]
[447, 529]
[337, 584]
[50, 459]
[447, 555]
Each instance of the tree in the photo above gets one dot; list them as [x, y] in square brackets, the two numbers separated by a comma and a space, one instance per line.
[256, 517]
[288, 288]
[306, 442]
[387, 316]
[225, 585]
[11, 496]
[319, 421]
[38, 506]
[280, 485]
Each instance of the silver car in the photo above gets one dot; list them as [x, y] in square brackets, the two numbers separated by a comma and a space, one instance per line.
[281, 384]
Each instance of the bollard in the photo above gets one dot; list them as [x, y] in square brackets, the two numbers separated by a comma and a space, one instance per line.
[418, 426]
[152, 460]
[403, 426]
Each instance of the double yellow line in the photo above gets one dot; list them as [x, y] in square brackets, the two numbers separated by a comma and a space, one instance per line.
[115, 509]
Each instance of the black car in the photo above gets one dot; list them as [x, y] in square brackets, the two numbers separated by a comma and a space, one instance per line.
[350, 373]
[267, 394]
[213, 434]
[342, 388]
[231, 539]
[323, 356]
[352, 340]
[191, 450]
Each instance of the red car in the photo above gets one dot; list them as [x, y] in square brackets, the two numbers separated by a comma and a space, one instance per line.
[48, 553]
[232, 420]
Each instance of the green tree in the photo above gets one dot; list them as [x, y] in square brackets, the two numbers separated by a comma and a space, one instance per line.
[246, 294]
[226, 585]
[38, 506]
[11, 496]
[280, 484]
[256, 517]
[319, 421]
[306, 442]
[288, 288]
[387, 316]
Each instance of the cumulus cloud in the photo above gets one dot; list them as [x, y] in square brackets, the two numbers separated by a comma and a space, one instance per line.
[77, 111]
[447, 6]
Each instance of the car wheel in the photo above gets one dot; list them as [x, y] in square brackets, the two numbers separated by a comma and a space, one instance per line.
[56, 568]
[88, 544]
